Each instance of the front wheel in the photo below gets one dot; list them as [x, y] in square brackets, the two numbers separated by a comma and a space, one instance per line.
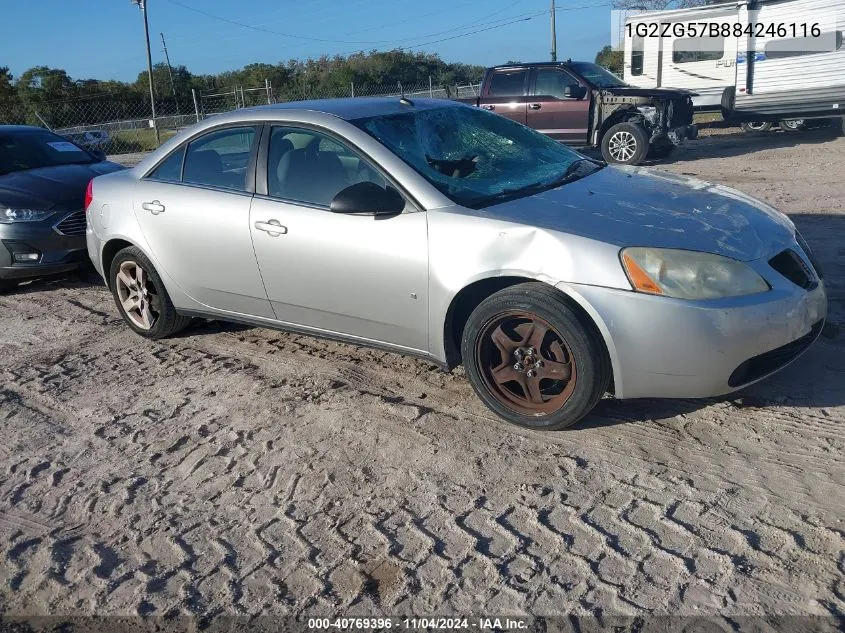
[625, 143]
[141, 298]
[532, 359]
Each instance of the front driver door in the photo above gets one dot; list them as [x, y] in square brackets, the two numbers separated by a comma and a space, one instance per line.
[559, 106]
[193, 209]
[357, 275]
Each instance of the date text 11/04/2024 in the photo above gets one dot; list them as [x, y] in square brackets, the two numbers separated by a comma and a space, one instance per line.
[422, 623]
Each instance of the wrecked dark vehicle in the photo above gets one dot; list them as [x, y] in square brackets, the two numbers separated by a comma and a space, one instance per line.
[584, 105]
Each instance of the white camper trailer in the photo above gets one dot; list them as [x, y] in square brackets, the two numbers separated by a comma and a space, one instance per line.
[772, 70]
[672, 62]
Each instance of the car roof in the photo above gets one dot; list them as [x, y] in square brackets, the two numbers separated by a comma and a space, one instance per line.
[350, 108]
[524, 64]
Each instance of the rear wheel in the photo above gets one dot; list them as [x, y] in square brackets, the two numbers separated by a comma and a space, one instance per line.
[792, 125]
[756, 127]
[625, 143]
[532, 359]
[141, 297]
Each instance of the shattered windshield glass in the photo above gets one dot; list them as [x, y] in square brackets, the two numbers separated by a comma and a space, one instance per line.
[474, 157]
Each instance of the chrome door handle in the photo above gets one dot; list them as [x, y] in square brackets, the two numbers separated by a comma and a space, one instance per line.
[155, 207]
[535, 106]
[273, 227]
[489, 107]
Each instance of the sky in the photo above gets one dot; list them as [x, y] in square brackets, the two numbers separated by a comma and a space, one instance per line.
[104, 39]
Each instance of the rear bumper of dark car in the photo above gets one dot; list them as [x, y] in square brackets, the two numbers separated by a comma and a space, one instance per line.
[58, 242]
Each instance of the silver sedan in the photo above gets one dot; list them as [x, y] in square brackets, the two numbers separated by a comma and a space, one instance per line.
[442, 231]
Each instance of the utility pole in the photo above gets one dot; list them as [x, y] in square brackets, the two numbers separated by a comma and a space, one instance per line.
[170, 72]
[142, 4]
[554, 34]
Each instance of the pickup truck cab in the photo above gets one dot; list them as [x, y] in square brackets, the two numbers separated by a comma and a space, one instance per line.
[582, 104]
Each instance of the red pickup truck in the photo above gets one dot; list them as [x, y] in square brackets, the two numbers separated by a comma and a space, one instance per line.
[583, 104]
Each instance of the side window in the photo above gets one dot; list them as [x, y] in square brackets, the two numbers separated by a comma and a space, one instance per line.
[698, 49]
[310, 167]
[637, 55]
[553, 82]
[171, 169]
[792, 47]
[220, 159]
[507, 83]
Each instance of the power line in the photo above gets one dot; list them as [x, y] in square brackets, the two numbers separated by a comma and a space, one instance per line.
[263, 30]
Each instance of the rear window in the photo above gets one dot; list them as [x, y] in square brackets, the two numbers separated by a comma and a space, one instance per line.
[507, 83]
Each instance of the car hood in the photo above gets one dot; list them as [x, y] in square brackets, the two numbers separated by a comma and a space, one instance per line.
[57, 187]
[636, 206]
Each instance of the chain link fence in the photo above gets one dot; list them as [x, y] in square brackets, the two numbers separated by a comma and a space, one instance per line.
[124, 126]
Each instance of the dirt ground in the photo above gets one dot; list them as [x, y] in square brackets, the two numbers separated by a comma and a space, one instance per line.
[238, 470]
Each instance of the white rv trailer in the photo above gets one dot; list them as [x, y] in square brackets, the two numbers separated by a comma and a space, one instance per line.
[761, 76]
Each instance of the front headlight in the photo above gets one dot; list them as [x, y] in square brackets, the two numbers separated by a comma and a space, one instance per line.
[689, 274]
[10, 216]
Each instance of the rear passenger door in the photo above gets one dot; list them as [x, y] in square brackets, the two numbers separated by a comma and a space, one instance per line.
[559, 105]
[357, 275]
[505, 93]
[193, 209]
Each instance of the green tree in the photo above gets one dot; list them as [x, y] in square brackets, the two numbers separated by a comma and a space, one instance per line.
[610, 59]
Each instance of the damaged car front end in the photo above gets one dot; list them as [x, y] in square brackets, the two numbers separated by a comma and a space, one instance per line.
[660, 119]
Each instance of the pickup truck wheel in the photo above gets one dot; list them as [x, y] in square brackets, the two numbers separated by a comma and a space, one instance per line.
[792, 125]
[533, 360]
[842, 126]
[756, 127]
[625, 143]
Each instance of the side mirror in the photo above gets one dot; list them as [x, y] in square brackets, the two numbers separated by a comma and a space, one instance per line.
[368, 197]
[574, 92]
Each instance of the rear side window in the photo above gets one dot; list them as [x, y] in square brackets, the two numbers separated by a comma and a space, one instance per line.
[217, 159]
[171, 169]
[507, 83]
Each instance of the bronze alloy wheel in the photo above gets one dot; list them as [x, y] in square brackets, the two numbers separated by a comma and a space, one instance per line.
[525, 364]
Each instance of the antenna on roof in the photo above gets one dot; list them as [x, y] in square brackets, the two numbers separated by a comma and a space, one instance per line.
[405, 101]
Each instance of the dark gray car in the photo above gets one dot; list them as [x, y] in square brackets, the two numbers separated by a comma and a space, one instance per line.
[43, 180]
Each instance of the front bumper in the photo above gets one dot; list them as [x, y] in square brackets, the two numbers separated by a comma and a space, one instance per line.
[56, 252]
[672, 348]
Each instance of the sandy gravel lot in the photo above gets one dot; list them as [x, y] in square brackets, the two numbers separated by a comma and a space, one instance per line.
[245, 471]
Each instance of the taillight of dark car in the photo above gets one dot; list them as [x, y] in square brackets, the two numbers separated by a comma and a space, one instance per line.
[89, 195]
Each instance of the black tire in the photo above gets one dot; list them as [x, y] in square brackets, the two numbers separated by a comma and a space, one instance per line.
[791, 126]
[590, 369]
[625, 144]
[167, 322]
[661, 150]
[756, 127]
[7, 284]
[842, 126]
